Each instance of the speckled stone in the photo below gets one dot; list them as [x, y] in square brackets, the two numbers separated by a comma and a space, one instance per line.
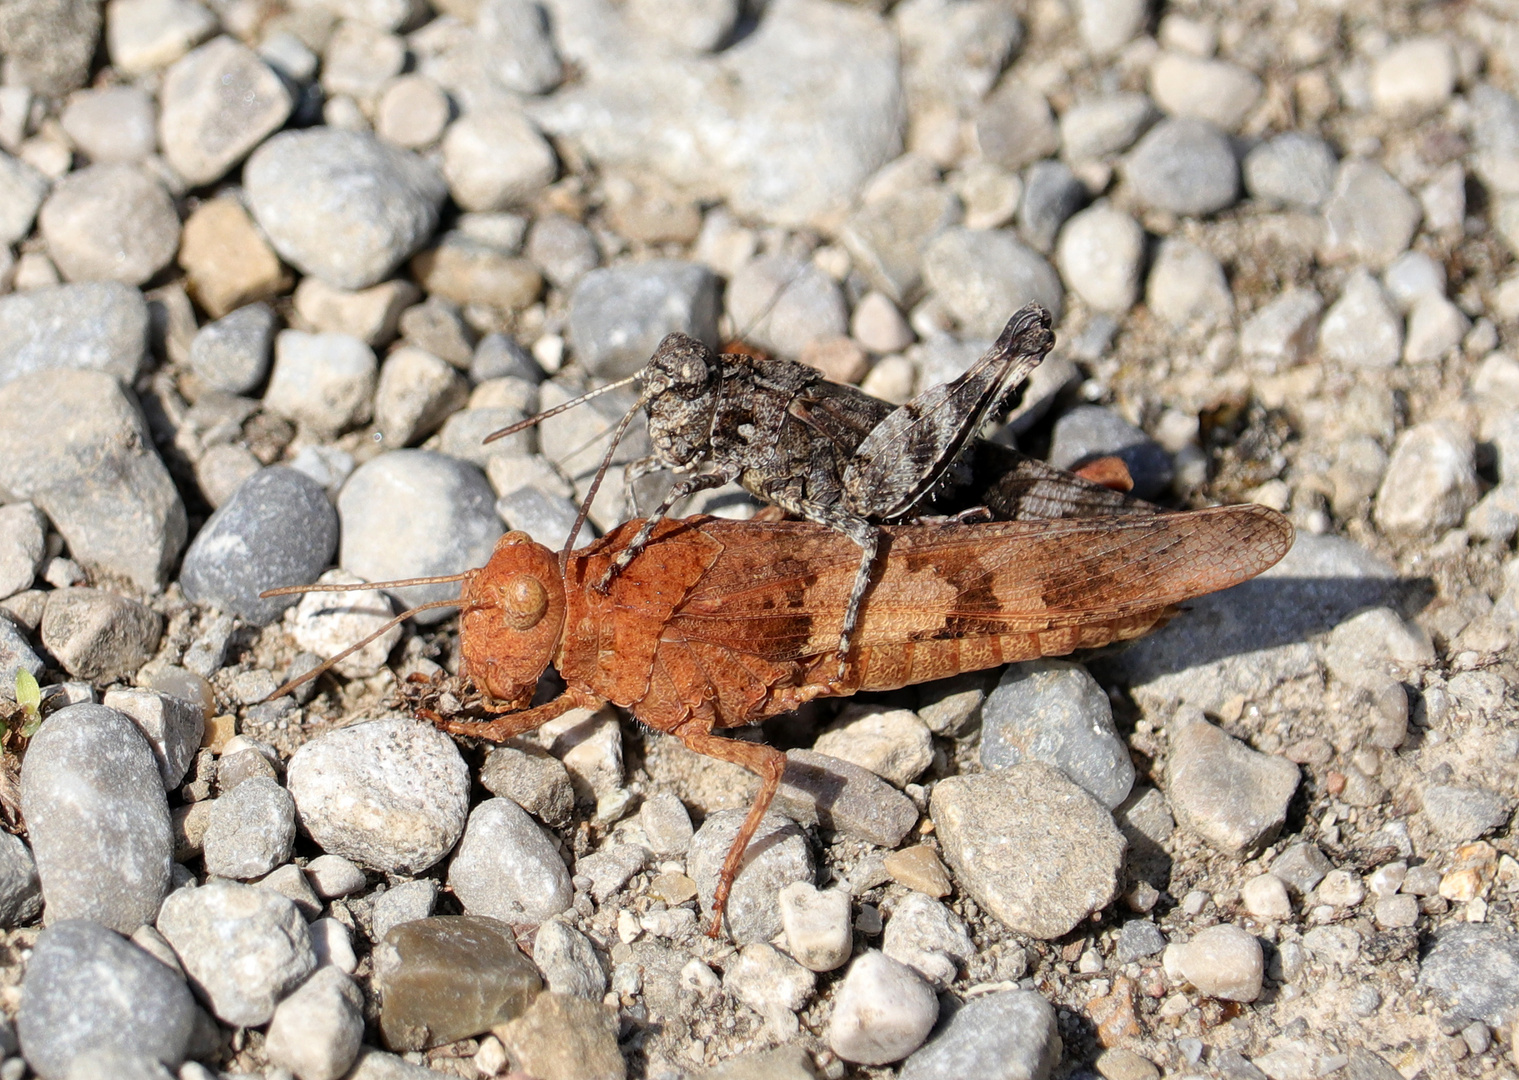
[506, 866]
[777, 856]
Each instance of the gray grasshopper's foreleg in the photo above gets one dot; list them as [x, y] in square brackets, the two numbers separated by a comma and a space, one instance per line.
[865, 534]
[687, 487]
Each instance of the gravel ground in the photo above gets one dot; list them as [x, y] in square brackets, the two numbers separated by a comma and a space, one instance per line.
[270, 273]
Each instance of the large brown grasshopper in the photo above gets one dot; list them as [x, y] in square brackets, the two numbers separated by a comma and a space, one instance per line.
[822, 451]
[721, 624]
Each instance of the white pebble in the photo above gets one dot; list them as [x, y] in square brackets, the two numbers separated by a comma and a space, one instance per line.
[816, 924]
[1222, 961]
[1265, 897]
[882, 1012]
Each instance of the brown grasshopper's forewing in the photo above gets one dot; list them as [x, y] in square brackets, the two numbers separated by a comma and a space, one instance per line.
[824, 452]
[722, 624]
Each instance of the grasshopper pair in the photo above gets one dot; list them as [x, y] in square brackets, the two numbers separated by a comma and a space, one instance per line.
[701, 625]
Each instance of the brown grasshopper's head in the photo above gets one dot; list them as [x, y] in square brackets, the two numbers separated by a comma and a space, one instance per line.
[680, 385]
[513, 615]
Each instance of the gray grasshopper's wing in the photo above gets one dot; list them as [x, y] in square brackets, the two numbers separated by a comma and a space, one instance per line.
[906, 455]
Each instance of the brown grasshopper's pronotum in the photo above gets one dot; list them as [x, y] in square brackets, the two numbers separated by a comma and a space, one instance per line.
[822, 451]
[721, 624]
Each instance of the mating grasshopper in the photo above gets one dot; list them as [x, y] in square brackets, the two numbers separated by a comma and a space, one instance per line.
[722, 624]
[822, 451]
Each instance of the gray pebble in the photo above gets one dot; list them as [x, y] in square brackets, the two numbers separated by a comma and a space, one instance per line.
[777, 856]
[1462, 813]
[1475, 966]
[507, 867]
[23, 536]
[218, 103]
[535, 780]
[695, 25]
[1184, 166]
[1092, 130]
[1435, 327]
[1035, 850]
[20, 891]
[86, 990]
[882, 1011]
[316, 1031]
[568, 961]
[1369, 217]
[92, 325]
[402, 903]
[785, 303]
[887, 236]
[111, 124]
[610, 868]
[892, 743]
[1012, 1035]
[1295, 169]
[1431, 480]
[1138, 939]
[1361, 329]
[232, 353]
[243, 947]
[1301, 867]
[1014, 126]
[666, 824]
[619, 314]
[450, 524]
[324, 381]
[1100, 256]
[546, 518]
[109, 222]
[237, 767]
[416, 392]
[1212, 89]
[116, 1064]
[495, 158]
[499, 356]
[16, 654]
[1222, 961]
[99, 821]
[307, 187]
[174, 727]
[1412, 276]
[1051, 194]
[983, 276]
[1232, 796]
[277, 529]
[288, 881]
[1187, 283]
[436, 326]
[1283, 330]
[1091, 431]
[1053, 711]
[333, 876]
[78, 447]
[1361, 651]
[23, 190]
[222, 469]
[841, 796]
[251, 831]
[390, 794]
[1107, 25]
[929, 938]
[950, 706]
[519, 50]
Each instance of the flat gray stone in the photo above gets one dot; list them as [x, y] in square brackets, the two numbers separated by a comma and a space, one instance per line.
[1369, 217]
[92, 326]
[983, 276]
[251, 830]
[341, 204]
[777, 855]
[77, 446]
[1012, 1035]
[389, 794]
[87, 989]
[1185, 166]
[277, 529]
[99, 635]
[232, 353]
[242, 947]
[507, 867]
[20, 891]
[99, 821]
[843, 797]
[109, 222]
[22, 189]
[217, 103]
[619, 314]
[1035, 850]
[784, 304]
[1294, 169]
[174, 727]
[1232, 796]
[1475, 967]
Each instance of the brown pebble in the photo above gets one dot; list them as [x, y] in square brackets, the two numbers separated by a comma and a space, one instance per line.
[919, 868]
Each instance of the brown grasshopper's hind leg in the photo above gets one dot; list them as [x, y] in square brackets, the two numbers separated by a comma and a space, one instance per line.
[865, 534]
[518, 723]
[768, 764]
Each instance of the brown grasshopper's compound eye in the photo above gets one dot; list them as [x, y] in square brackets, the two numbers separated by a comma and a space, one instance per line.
[523, 601]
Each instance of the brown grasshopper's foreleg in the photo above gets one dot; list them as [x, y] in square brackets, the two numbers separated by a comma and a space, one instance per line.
[683, 489]
[518, 723]
[768, 764]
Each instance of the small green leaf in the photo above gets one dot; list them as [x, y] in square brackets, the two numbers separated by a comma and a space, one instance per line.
[28, 693]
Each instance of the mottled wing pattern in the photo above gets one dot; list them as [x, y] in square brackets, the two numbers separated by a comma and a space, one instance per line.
[1016, 487]
[779, 593]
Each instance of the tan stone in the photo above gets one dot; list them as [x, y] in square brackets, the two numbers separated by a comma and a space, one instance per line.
[564, 1038]
[226, 258]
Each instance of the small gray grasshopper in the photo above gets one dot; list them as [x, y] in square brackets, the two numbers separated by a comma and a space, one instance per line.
[824, 452]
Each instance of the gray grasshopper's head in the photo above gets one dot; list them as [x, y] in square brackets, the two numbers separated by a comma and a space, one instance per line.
[680, 386]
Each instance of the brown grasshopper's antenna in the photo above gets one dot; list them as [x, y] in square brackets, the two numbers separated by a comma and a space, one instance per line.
[327, 665]
[520, 425]
[590, 495]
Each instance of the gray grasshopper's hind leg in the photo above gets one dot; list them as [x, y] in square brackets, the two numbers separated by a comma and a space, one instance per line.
[689, 486]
